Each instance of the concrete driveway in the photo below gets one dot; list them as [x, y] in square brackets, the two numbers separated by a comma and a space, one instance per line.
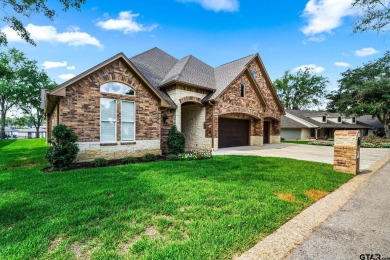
[304, 152]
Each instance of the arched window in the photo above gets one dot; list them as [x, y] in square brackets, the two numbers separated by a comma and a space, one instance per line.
[117, 88]
[253, 74]
[242, 89]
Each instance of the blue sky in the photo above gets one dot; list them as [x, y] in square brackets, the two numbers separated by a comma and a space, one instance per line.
[287, 34]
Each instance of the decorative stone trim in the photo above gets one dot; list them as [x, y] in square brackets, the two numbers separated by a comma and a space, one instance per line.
[191, 99]
[128, 143]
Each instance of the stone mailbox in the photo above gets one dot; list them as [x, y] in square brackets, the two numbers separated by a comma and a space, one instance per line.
[347, 151]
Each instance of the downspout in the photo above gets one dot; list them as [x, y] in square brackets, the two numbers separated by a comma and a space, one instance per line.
[212, 126]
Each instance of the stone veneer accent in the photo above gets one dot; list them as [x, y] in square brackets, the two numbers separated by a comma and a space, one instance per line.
[346, 151]
[192, 126]
[180, 93]
[91, 150]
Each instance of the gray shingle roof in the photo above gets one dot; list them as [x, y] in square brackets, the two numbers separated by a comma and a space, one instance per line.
[160, 68]
[288, 122]
[191, 70]
[370, 120]
[306, 114]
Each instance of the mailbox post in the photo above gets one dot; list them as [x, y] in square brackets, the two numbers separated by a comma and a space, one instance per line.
[347, 151]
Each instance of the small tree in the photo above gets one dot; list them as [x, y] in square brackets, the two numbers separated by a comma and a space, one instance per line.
[176, 141]
[64, 149]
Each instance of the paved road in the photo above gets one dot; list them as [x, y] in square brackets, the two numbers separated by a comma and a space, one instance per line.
[362, 226]
[304, 152]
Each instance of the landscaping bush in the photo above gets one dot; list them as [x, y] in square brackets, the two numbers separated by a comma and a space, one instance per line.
[149, 157]
[129, 160]
[195, 155]
[99, 162]
[63, 150]
[321, 143]
[176, 141]
[172, 157]
[373, 139]
[330, 139]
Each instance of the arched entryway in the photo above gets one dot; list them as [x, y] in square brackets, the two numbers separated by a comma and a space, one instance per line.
[193, 114]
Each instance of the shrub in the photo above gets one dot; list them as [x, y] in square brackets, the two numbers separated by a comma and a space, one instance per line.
[149, 157]
[172, 157]
[330, 139]
[372, 139]
[176, 141]
[385, 145]
[63, 150]
[128, 160]
[321, 143]
[195, 155]
[99, 162]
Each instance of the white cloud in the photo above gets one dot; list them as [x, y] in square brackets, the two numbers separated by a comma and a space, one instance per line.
[366, 52]
[54, 64]
[342, 64]
[312, 67]
[217, 5]
[325, 15]
[125, 23]
[71, 68]
[66, 76]
[49, 33]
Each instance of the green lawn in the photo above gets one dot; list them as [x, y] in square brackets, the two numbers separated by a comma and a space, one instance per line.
[207, 209]
[295, 141]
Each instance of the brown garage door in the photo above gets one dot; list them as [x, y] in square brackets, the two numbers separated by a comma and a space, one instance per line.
[232, 132]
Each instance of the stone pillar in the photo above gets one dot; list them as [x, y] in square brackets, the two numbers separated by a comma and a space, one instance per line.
[347, 151]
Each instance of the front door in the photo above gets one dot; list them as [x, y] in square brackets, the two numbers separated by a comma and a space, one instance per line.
[266, 133]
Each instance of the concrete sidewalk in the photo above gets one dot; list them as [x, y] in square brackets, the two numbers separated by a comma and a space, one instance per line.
[314, 153]
[361, 226]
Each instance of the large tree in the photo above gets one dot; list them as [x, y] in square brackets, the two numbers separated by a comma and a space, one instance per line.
[11, 87]
[365, 90]
[14, 10]
[301, 90]
[375, 15]
[35, 82]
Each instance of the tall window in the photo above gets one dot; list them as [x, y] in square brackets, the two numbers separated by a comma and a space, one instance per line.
[242, 89]
[324, 119]
[107, 120]
[253, 74]
[117, 88]
[339, 119]
[354, 120]
[128, 121]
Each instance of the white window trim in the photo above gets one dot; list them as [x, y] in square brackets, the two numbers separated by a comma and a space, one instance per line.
[104, 92]
[128, 121]
[116, 121]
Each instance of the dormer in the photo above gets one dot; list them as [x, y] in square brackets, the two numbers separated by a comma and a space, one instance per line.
[351, 120]
[335, 118]
[320, 117]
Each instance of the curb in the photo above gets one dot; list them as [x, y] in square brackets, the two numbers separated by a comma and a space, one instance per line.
[279, 244]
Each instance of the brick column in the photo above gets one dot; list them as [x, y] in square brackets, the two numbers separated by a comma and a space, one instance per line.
[346, 151]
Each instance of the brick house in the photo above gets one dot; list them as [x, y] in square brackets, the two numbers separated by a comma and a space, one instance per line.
[125, 107]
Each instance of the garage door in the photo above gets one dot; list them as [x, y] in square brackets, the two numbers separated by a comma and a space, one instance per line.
[291, 134]
[233, 132]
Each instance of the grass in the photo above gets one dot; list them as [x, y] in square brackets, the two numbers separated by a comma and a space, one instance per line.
[216, 208]
[295, 141]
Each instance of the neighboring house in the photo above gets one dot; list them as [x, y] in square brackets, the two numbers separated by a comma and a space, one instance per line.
[125, 107]
[29, 133]
[11, 132]
[373, 122]
[307, 124]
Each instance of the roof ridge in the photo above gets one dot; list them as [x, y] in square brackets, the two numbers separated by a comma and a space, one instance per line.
[235, 60]
[154, 48]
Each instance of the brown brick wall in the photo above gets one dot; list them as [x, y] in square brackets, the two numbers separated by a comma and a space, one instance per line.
[80, 109]
[231, 104]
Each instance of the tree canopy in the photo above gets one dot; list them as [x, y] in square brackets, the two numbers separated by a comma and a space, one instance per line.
[24, 8]
[20, 86]
[365, 91]
[301, 90]
[375, 15]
